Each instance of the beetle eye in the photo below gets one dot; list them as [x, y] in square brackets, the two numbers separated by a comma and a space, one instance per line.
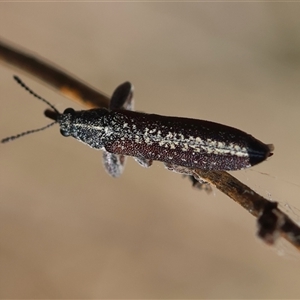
[64, 133]
[69, 111]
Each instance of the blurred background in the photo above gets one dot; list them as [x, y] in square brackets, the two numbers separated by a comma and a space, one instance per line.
[68, 230]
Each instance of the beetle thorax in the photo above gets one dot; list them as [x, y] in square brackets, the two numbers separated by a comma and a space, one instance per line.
[89, 127]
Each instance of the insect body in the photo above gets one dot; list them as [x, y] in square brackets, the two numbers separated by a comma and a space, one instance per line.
[181, 143]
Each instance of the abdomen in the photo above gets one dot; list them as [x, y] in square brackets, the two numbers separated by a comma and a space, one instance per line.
[185, 142]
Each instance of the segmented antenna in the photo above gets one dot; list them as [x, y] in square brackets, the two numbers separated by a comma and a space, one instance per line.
[22, 84]
[11, 138]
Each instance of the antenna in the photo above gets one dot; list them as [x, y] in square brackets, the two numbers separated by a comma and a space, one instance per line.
[11, 138]
[23, 85]
[55, 112]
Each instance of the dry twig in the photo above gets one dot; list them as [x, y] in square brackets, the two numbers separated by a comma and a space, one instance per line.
[272, 222]
[58, 79]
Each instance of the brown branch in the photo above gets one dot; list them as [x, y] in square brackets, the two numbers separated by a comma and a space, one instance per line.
[272, 222]
[58, 79]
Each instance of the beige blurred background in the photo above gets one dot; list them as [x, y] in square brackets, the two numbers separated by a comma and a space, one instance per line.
[68, 230]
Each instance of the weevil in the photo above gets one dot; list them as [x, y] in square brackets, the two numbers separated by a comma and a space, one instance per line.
[180, 143]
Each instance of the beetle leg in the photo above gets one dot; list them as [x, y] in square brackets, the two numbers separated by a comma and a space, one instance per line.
[122, 97]
[146, 163]
[178, 169]
[113, 163]
[197, 183]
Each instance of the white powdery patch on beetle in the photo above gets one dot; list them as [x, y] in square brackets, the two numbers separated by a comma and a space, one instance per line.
[173, 140]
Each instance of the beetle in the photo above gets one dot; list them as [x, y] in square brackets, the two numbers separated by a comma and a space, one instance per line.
[180, 143]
